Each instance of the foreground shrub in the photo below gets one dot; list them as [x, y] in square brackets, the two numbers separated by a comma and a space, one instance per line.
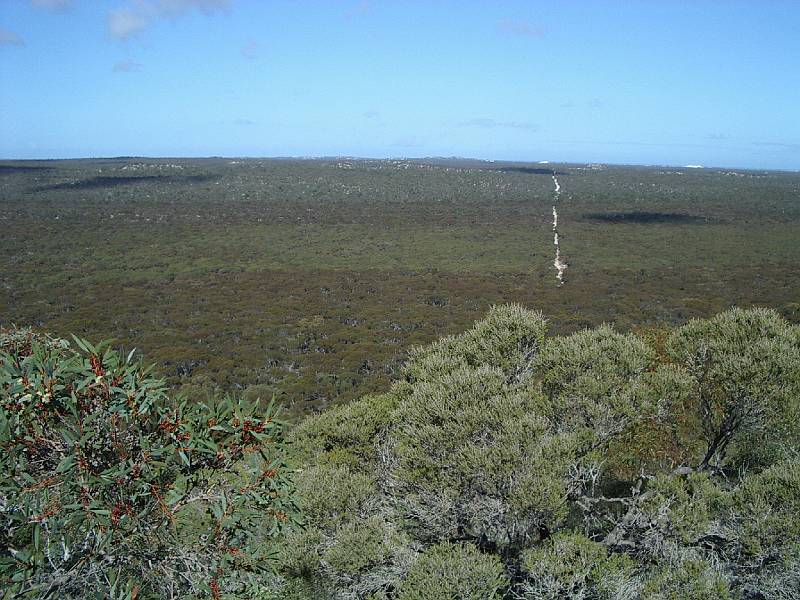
[746, 365]
[569, 565]
[689, 580]
[454, 571]
[589, 466]
[109, 488]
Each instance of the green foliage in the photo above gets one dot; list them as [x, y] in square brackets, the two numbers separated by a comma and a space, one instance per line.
[564, 467]
[359, 546]
[668, 435]
[674, 515]
[332, 494]
[569, 565]
[264, 276]
[347, 545]
[506, 339]
[746, 365]
[764, 516]
[589, 380]
[454, 572]
[473, 460]
[109, 487]
[473, 453]
[344, 435]
[690, 580]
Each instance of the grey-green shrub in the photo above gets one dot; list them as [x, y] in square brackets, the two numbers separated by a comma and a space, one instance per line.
[746, 365]
[571, 566]
[586, 466]
[689, 580]
[454, 572]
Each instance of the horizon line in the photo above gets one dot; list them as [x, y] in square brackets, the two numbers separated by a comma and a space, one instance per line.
[697, 167]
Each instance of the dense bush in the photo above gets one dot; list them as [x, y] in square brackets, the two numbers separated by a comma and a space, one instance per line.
[454, 571]
[503, 464]
[108, 488]
[597, 465]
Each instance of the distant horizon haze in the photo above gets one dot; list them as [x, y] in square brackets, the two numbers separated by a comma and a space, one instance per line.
[343, 157]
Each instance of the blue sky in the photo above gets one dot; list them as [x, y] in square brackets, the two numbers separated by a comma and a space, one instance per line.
[668, 82]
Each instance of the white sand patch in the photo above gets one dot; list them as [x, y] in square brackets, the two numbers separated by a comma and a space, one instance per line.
[559, 263]
[561, 267]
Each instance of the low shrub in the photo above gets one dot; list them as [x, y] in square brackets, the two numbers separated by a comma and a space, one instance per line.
[596, 465]
[110, 488]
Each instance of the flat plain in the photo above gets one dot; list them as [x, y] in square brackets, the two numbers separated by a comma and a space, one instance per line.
[310, 279]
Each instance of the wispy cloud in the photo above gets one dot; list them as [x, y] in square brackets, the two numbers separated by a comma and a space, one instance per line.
[9, 38]
[128, 22]
[492, 124]
[521, 28]
[371, 114]
[126, 66]
[244, 122]
[124, 23]
[54, 5]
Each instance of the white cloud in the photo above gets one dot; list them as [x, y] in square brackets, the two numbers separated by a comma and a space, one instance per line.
[9, 38]
[126, 66]
[124, 23]
[140, 14]
[54, 5]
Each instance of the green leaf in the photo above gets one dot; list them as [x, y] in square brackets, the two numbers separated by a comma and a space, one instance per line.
[66, 463]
